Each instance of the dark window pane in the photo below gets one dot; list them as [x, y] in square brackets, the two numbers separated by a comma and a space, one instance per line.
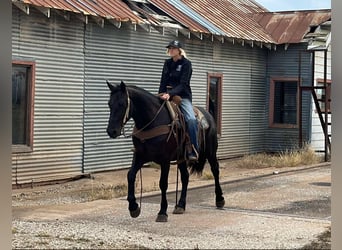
[213, 97]
[285, 103]
[19, 104]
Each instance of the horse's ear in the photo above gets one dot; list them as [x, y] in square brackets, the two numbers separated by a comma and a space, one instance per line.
[123, 86]
[110, 86]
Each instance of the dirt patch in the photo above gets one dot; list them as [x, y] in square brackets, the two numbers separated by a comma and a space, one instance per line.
[113, 184]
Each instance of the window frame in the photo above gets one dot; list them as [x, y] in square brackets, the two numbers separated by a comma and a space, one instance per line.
[219, 97]
[28, 147]
[271, 122]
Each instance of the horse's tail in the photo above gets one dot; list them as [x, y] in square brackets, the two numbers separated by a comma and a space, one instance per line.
[208, 145]
[198, 166]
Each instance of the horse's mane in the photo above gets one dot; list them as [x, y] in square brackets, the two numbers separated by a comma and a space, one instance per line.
[145, 93]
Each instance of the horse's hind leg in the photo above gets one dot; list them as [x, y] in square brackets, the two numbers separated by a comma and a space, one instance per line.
[214, 165]
[163, 185]
[180, 207]
[133, 206]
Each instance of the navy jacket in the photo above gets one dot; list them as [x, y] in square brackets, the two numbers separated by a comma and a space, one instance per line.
[177, 75]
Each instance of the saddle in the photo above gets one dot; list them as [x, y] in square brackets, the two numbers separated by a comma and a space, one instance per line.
[180, 125]
[177, 127]
[173, 107]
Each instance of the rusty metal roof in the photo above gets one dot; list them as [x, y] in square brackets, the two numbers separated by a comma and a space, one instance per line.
[178, 15]
[109, 9]
[233, 17]
[291, 26]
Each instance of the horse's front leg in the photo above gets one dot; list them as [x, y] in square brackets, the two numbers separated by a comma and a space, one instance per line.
[133, 206]
[163, 185]
[180, 207]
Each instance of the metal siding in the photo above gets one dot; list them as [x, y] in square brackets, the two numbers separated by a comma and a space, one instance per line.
[57, 48]
[129, 55]
[243, 93]
[134, 56]
[242, 101]
[285, 64]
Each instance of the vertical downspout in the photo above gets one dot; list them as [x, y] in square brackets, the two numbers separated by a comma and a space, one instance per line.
[300, 125]
[313, 69]
[84, 100]
[326, 138]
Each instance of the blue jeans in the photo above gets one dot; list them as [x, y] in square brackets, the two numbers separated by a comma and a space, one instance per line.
[190, 119]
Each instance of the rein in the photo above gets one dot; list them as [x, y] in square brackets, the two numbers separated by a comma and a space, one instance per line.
[136, 132]
[146, 125]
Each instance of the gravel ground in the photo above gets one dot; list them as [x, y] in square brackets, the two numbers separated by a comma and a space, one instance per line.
[62, 217]
[107, 230]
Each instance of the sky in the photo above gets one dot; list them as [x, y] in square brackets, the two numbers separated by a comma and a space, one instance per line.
[284, 5]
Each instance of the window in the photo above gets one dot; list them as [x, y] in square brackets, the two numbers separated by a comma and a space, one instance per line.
[283, 103]
[22, 105]
[214, 98]
[322, 94]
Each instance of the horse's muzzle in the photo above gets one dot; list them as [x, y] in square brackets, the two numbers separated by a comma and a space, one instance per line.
[113, 133]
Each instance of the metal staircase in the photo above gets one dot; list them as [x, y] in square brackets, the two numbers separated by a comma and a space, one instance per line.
[321, 100]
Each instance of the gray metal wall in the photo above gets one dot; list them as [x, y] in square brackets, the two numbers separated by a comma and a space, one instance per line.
[243, 93]
[56, 45]
[284, 64]
[71, 113]
[136, 56]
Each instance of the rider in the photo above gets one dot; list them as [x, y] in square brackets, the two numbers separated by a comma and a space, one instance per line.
[175, 80]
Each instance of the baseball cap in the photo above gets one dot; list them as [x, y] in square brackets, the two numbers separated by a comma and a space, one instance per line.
[175, 44]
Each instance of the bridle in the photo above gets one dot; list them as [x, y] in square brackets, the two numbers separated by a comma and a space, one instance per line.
[127, 117]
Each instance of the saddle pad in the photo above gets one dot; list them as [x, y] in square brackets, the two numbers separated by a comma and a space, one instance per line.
[202, 121]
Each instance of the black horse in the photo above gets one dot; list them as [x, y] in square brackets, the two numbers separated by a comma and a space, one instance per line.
[149, 112]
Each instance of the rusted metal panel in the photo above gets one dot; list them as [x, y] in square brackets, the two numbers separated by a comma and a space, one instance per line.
[291, 26]
[114, 9]
[179, 16]
[230, 19]
[238, 19]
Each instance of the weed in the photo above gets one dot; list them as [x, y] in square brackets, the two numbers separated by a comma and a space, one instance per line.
[323, 241]
[106, 192]
[43, 235]
[207, 175]
[287, 158]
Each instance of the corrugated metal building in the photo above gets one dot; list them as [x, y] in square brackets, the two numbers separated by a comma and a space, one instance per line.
[77, 45]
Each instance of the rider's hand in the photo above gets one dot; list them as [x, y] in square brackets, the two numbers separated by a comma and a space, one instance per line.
[165, 96]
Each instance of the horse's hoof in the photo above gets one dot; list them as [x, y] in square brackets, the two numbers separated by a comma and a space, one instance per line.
[220, 204]
[178, 210]
[161, 218]
[135, 213]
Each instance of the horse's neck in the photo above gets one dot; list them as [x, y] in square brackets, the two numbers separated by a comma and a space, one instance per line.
[145, 109]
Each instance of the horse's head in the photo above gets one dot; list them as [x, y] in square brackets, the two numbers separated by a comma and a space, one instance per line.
[119, 109]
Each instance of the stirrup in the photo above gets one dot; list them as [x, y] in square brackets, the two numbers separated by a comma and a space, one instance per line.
[193, 155]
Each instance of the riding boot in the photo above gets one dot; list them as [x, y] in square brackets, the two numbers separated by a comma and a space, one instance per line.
[192, 128]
